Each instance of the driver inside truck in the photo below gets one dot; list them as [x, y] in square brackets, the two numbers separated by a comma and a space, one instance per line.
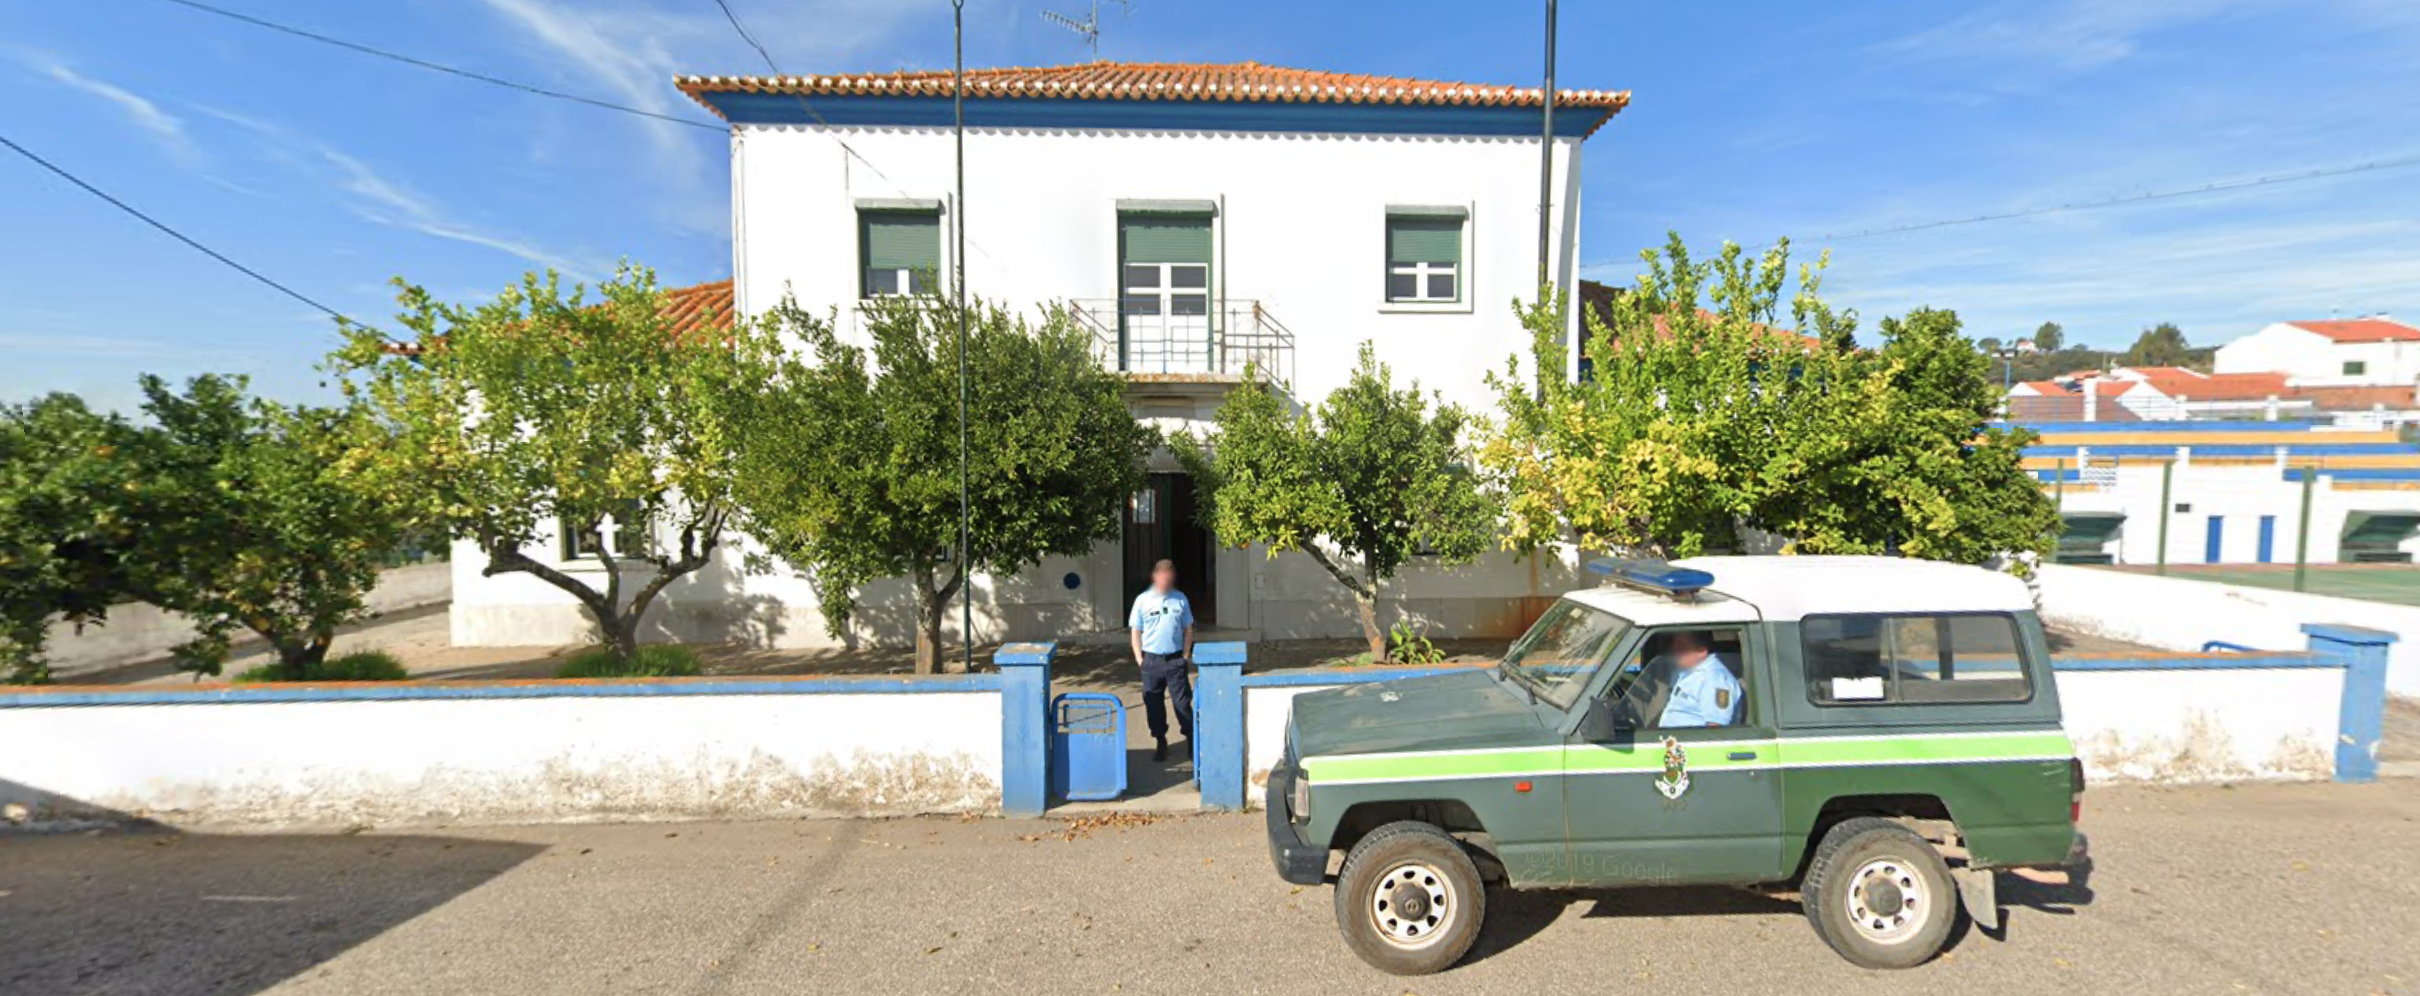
[1704, 692]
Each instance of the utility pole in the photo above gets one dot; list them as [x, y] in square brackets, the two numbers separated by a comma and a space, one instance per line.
[1546, 159]
[966, 567]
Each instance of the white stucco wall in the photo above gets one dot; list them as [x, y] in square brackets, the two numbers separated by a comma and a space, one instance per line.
[2203, 724]
[2180, 614]
[1300, 227]
[2312, 360]
[503, 760]
[135, 632]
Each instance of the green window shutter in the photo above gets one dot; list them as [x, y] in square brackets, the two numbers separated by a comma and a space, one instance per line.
[902, 240]
[1424, 240]
[1164, 239]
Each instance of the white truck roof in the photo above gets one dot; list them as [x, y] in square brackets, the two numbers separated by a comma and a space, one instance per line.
[1786, 589]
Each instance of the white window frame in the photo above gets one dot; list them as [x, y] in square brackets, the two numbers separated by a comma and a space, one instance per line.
[1462, 269]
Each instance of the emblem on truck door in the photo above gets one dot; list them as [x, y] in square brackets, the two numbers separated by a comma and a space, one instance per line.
[1675, 779]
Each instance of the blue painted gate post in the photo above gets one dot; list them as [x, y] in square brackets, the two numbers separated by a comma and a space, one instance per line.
[1218, 706]
[2362, 717]
[1024, 726]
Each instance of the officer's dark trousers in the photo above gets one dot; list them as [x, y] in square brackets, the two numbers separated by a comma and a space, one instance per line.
[1164, 680]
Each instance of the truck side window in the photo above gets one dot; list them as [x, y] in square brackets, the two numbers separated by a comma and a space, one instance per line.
[1644, 695]
[1924, 659]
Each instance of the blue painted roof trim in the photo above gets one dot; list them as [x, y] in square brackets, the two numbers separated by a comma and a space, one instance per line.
[2266, 661]
[1157, 115]
[615, 689]
[1297, 679]
[2224, 449]
[2180, 427]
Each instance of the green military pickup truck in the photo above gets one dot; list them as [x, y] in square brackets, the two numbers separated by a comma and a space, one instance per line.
[1883, 733]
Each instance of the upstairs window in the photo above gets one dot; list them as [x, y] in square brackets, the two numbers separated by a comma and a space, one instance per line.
[1424, 257]
[1914, 659]
[2355, 368]
[901, 250]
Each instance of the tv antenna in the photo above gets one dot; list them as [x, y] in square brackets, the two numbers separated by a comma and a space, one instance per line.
[1090, 26]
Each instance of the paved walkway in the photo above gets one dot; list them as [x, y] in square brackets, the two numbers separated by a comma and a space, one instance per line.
[2287, 889]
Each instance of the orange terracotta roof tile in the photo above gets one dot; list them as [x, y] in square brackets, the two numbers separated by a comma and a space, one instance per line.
[2191, 386]
[1249, 82]
[2362, 330]
[688, 309]
[2357, 398]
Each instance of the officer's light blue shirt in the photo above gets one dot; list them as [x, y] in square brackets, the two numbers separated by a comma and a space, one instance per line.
[1162, 619]
[1703, 695]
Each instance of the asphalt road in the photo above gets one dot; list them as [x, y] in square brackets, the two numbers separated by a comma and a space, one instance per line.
[2261, 889]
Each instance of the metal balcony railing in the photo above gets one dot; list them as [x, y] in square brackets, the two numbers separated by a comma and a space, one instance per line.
[1136, 337]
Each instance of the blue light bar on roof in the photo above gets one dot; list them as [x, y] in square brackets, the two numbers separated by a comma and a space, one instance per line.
[1652, 575]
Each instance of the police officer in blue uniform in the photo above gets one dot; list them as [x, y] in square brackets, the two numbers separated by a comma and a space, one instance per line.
[1161, 633]
[1704, 692]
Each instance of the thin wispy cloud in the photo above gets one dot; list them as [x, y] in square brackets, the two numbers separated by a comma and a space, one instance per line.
[2071, 35]
[146, 115]
[381, 199]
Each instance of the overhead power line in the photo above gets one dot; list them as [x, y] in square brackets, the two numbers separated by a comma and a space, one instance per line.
[2220, 186]
[441, 67]
[171, 232]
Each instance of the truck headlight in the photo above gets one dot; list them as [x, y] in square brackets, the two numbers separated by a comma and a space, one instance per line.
[1300, 801]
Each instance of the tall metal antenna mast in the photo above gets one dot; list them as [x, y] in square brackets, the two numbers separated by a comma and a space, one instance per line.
[1090, 26]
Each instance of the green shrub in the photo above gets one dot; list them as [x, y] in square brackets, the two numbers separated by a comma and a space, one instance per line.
[366, 665]
[1409, 645]
[654, 660]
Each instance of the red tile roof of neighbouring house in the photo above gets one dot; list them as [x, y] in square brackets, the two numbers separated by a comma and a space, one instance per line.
[687, 309]
[2362, 330]
[2343, 399]
[2188, 385]
[1249, 82]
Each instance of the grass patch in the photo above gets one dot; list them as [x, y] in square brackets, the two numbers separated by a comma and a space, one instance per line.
[654, 660]
[366, 665]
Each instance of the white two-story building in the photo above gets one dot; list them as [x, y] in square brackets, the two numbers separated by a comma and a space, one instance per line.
[1196, 219]
[2362, 352]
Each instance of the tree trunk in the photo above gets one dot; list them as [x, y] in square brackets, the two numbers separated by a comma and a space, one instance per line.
[1367, 605]
[929, 603]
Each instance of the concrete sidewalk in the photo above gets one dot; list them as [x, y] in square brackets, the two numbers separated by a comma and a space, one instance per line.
[2269, 888]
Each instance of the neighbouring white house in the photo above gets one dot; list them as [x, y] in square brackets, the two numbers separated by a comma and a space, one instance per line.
[1196, 218]
[2364, 352]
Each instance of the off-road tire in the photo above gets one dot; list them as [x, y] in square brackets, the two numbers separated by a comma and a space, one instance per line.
[1897, 865]
[1420, 860]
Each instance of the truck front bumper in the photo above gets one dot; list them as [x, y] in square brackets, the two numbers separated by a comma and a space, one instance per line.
[1297, 862]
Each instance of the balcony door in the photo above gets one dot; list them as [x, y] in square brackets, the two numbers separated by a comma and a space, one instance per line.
[1164, 315]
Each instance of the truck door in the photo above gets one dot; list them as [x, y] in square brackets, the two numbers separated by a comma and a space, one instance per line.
[1707, 807]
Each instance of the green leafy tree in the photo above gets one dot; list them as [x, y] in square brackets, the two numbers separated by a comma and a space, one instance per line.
[2161, 345]
[851, 469]
[1378, 477]
[1990, 345]
[543, 416]
[251, 520]
[67, 474]
[1902, 457]
[1668, 446]
[2050, 337]
[1706, 415]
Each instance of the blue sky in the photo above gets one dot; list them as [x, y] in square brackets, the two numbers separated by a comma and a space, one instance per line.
[333, 172]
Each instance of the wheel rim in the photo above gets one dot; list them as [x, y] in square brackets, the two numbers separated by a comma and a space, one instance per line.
[1888, 901]
[1413, 905]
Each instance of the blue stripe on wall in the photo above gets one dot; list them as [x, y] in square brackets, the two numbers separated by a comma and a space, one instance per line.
[2222, 449]
[1160, 115]
[2359, 473]
[2047, 428]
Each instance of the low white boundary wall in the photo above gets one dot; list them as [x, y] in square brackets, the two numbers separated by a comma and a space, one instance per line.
[2180, 614]
[476, 753]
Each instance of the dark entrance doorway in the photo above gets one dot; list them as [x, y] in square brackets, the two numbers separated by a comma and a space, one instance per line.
[1160, 524]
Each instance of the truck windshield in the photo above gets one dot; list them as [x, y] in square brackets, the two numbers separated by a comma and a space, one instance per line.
[1563, 650]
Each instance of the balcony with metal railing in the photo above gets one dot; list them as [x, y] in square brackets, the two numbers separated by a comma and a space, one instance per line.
[1212, 344]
